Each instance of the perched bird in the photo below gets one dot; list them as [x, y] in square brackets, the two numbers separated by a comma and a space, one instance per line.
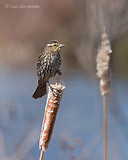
[48, 65]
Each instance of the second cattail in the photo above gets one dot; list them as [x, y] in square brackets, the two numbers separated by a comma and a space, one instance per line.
[103, 61]
[103, 72]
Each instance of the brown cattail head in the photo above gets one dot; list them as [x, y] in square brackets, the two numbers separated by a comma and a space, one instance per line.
[103, 67]
[51, 108]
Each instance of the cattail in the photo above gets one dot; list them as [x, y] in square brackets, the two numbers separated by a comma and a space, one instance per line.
[52, 106]
[103, 72]
[103, 67]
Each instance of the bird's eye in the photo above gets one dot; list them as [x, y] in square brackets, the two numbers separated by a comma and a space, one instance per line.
[55, 45]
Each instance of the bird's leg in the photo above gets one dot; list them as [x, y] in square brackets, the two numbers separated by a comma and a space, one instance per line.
[59, 73]
[49, 85]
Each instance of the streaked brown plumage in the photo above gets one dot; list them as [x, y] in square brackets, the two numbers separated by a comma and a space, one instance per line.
[48, 65]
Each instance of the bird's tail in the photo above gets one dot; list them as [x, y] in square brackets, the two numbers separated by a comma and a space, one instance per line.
[40, 91]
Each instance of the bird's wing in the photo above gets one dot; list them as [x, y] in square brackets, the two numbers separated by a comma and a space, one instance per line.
[41, 66]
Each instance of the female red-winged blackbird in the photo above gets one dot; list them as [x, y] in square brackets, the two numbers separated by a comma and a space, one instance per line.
[48, 65]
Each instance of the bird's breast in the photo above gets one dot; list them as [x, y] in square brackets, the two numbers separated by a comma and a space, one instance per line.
[48, 66]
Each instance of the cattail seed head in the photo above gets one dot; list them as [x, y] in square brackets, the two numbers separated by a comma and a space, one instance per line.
[51, 109]
[103, 67]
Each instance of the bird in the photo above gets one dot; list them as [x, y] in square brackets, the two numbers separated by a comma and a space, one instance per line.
[48, 65]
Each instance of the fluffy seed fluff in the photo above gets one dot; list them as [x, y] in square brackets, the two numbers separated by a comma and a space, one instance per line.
[103, 67]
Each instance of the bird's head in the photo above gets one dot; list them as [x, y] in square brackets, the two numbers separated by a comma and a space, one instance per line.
[54, 46]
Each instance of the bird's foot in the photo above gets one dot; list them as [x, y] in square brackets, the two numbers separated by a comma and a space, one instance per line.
[59, 72]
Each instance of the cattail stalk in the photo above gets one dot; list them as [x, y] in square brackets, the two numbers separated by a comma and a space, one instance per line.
[51, 109]
[105, 127]
[103, 72]
[41, 154]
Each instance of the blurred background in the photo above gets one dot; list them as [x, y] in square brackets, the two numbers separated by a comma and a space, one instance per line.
[25, 28]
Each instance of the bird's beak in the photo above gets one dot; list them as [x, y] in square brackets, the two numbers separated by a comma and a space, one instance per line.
[61, 45]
